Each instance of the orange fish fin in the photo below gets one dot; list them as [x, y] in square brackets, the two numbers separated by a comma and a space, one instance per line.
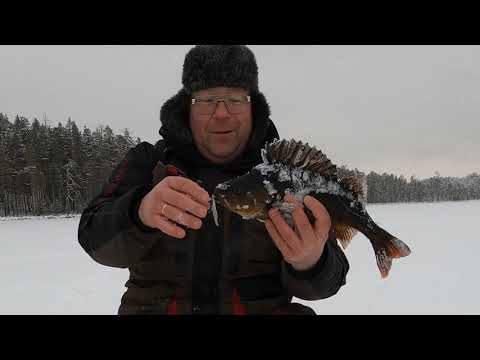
[388, 250]
[397, 248]
[344, 233]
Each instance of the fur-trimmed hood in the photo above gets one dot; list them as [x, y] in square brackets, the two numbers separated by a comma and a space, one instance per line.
[175, 130]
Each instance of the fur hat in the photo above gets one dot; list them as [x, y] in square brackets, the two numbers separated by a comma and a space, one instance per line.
[207, 66]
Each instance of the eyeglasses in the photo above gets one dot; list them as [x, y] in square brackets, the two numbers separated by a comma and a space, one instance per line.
[206, 105]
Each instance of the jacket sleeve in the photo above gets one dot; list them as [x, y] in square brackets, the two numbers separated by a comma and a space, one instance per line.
[323, 280]
[109, 229]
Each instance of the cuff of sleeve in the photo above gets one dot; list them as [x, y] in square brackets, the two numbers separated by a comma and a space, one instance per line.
[310, 274]
[135, 205]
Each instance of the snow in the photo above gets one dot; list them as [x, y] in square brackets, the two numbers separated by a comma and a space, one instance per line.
[43, 269]
[440, 276]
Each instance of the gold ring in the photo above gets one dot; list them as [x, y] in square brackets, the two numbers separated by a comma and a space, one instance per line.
[163, 209]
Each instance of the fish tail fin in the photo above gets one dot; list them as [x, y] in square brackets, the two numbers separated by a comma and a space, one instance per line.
[387, 247]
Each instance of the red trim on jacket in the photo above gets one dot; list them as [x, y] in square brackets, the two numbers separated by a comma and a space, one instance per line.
[238, 307]
[173, 171]
[116, 178]
[172, 306]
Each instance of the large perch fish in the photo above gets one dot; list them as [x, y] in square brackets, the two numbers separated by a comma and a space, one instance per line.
[298, 169]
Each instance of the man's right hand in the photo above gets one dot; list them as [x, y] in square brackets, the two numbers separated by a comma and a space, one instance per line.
[174, 200]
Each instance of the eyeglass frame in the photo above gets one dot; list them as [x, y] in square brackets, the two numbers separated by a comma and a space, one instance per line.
[223, 99]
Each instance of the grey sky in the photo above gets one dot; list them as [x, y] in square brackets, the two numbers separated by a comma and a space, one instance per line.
[397, 109]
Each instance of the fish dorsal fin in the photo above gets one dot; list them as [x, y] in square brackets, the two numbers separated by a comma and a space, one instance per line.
[344, 233]
[296, 154]
[358, 185]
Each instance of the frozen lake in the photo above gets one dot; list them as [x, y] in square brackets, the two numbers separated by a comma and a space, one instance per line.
[43, 269]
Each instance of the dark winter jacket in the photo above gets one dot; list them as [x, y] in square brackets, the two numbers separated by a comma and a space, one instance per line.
[234, 268]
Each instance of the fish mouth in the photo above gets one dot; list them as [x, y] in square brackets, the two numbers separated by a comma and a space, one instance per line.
[243, 210]
[246, 201]
[246, 211]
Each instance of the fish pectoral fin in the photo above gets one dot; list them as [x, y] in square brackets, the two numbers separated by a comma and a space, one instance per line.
[344, 233]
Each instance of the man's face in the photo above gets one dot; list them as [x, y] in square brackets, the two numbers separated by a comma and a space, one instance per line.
[220, 136]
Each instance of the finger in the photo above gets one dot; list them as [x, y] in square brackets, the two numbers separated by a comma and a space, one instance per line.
[183, 202]
[173, 213]
[317, 208]
[278, 241]
[285, 231]
[290, 199]
[168, 227]
[304, 227]
[323, 222]
[189, 187]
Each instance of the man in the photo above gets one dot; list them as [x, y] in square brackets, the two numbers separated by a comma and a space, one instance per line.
[153, 216]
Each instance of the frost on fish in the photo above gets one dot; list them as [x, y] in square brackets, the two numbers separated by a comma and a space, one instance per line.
[305, 170]
[286, 211]
[265, 168]
[269, 187]
[303, 181]
[309, 172]
[284, 174]
[223, 186]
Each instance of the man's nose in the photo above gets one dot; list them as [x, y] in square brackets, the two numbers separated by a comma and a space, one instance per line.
[221, 110]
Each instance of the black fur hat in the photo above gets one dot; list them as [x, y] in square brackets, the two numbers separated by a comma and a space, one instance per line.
[207, 66]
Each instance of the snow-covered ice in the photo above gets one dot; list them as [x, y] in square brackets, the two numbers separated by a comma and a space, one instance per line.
[43, 269]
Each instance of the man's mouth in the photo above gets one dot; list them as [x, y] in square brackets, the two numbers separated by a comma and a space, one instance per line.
[222, 132]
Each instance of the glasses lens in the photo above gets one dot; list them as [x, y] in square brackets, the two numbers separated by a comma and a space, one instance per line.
[235, 104]
[205, 106]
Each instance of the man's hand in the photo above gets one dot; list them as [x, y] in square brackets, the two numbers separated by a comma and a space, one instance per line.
[174, 200]
[303, 246]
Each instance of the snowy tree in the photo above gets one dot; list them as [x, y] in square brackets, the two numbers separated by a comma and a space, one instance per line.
[72, 181]
[76, 144]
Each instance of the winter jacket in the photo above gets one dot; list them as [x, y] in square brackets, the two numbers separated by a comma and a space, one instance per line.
[232, 268]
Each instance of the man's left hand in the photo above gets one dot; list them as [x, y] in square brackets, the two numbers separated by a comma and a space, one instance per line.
[302, 246]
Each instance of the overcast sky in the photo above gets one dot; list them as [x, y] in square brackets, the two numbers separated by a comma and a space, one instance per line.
[409, 110]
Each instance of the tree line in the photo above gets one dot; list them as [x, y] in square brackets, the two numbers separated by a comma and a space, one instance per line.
[58, 170]
[389, 188]
[55, 169]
